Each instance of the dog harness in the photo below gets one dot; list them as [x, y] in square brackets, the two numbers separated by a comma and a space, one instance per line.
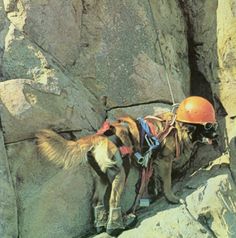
[150, 133]
[106, 127]
[151, 140]
[161, 135]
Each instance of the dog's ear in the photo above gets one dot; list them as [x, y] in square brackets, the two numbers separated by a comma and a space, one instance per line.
[191, 128]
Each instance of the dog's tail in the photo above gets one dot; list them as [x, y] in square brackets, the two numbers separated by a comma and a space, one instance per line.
[62, 152]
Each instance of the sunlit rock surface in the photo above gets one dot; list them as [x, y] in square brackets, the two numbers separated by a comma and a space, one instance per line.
[68, 64]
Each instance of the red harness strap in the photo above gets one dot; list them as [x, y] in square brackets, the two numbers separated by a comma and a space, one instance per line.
[152, 127]
[105, 127]
[124, 150]
[145, 177]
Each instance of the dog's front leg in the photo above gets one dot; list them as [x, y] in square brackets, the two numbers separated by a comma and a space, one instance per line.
[164, 170]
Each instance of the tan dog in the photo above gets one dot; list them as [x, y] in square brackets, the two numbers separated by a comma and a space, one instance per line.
[110, 166]
[106, 161]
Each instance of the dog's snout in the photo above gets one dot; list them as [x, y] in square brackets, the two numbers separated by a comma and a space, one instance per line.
[214, 135]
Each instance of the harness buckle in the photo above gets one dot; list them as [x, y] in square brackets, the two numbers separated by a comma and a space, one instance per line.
[152, 142]
[139, 158]
[144, 202]
[143, 159]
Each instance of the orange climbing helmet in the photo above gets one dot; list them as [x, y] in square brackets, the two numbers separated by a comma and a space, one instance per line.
[196, 110]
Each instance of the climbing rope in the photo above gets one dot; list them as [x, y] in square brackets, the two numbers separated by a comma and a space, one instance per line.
[174, 105]
[166, 72]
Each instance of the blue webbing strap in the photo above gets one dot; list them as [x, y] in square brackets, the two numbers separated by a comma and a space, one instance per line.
[150, 137]
[151, 140]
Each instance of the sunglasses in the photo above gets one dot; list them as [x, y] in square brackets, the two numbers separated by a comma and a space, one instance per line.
[209, 126]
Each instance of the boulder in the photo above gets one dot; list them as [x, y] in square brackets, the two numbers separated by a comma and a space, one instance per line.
[3, 30]
[52, 202]
[226, 43]
[208, 208]
[44, 24]
[34, 106]
[8, 207]
[122, 58]
[114, 50]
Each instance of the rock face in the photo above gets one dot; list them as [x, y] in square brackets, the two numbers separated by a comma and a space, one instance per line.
[213, 190]
[53, 202]
[39, 106]
[69, 64]
[207, 211]
[227, 55]
[8, 208]
[120, 44]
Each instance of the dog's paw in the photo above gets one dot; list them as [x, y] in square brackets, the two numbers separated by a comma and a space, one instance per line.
[130, 221]
[114, 232]
[173, 198]
[100, 229]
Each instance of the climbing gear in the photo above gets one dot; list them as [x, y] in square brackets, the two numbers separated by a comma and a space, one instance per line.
[147, 134]
[144, 160]
[196, 110]
[104, 128]
[150, 128]
[169, 126]
[151, 140]
[174, 107]
[163, 61]
[145, 177]
[100, 218]
[108, 130]
[125, 150]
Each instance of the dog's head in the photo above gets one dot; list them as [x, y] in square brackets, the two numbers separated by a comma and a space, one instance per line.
[206, 133]
[201, 116]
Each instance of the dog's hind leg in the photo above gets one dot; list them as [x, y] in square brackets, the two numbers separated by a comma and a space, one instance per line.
[164, 171]
[100, 213]
[115, 221]
[101, 184]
